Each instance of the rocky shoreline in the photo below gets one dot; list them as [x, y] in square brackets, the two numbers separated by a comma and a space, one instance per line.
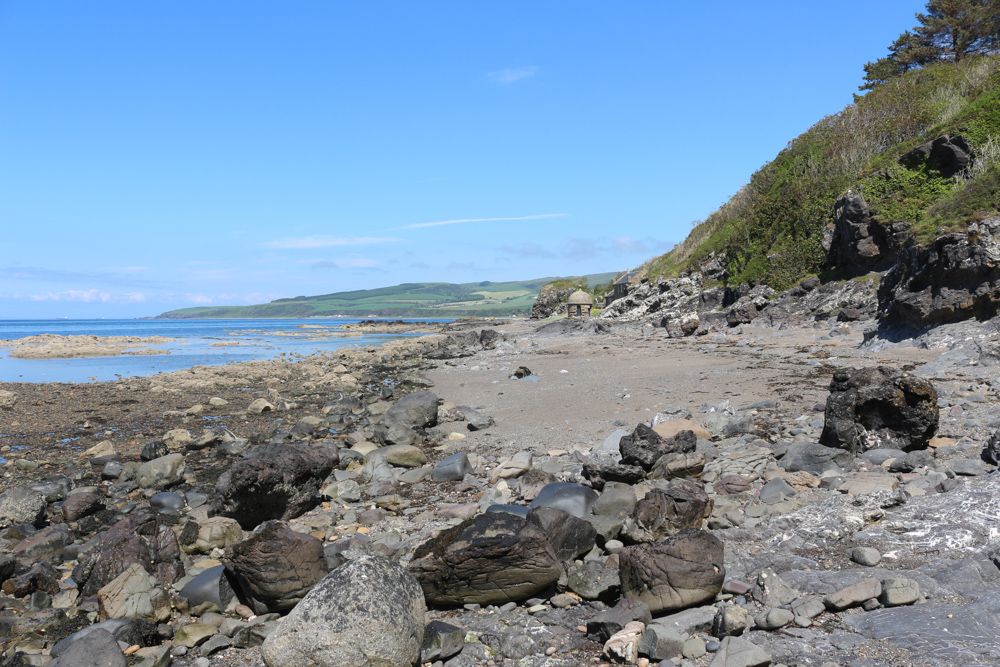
[576, 495]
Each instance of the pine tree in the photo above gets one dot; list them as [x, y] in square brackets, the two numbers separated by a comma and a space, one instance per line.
[951, 30]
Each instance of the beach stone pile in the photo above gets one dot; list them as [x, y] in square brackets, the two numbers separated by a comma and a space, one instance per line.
[354, 529]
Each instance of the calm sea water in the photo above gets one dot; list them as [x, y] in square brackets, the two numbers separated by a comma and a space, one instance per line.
[260, 339]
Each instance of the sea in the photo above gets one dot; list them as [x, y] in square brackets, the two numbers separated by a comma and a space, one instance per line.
[258, 339]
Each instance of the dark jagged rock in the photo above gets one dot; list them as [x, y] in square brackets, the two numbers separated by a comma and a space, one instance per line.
[568, 535]
[956, 277]
[948, 154]
[682, 504]
[276, 566]
[273, 482]
[493, 559]
[213, 586]
[613, 620]
[857, 242]
[879, 407]
[153, 450]
[600, 474]
[679, 572]
[141, 539]
[643, 447]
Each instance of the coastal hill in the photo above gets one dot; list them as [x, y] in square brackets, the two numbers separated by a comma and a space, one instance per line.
[483, 299]
[922, 148]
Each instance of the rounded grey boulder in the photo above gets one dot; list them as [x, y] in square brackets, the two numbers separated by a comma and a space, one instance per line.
[21, 505]
[452, 469]
[570, 498]
[95, 649]
[368, 612]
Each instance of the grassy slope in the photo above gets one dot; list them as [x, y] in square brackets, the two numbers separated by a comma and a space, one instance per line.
[407, 300]
[771, 229]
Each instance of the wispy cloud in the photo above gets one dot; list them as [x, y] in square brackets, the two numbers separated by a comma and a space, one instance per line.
[109, 276]
[512, 75]
[528, 250]
[460, 266]
[89, 296]
[305, 242]
[420, 225]
[346, 263]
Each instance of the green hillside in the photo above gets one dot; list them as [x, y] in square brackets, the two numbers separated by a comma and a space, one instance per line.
[485, 299]
[771, 229]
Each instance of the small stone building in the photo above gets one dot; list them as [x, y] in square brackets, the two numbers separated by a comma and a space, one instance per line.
[579, 304]
[621, 286]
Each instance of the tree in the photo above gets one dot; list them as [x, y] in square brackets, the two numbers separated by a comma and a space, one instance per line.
[951, 30]
[956, 29]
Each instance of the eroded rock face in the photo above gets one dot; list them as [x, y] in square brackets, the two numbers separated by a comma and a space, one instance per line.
[138, 540]
[666, 511]
[957, 277]
[857, 242]
[276, 566]
[879, 407]
[644, 446]
[273, 482]
[493, 559]
[681, 571]
[948, 154]
[369, 612]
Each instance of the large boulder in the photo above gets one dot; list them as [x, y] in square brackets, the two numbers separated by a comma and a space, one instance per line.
[275, 566]
[273, 481]
[369, 612]
[140, 539]
[948, 154]
[879, 407]
[644, 446]
[956, 277]
[21, 505]
[681, 504]
[94, 649]
[681, 571]
[857, 242]
[494, 558]
[400, 423]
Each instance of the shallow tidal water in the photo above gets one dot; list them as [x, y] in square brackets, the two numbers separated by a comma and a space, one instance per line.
[197, 344]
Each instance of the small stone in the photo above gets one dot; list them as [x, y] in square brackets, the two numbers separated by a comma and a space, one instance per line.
[774, 619]
[866, 556]
[899, 591]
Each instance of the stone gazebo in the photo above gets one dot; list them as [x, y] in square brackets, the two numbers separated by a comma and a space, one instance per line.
[579, 304]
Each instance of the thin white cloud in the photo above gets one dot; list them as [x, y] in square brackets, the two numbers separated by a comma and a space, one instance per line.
[319, 241]
[88, 296]
[420, 225]
[345, 263]
[512, 75]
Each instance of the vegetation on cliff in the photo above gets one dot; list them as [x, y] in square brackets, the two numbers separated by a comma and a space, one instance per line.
[771, 229]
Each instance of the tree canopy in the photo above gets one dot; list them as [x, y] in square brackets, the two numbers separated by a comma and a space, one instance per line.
[950, 30]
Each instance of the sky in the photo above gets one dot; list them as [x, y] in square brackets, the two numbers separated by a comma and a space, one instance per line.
[158, 155]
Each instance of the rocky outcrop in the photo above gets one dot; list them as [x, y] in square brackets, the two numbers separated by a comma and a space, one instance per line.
[857, 242]
[956, 277]
[948, 154]
[273, 482]
[682, 504]
[551, 297]
[672, 304]
[879, 407]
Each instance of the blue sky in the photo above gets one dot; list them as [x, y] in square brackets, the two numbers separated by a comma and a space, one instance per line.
[159, 155]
